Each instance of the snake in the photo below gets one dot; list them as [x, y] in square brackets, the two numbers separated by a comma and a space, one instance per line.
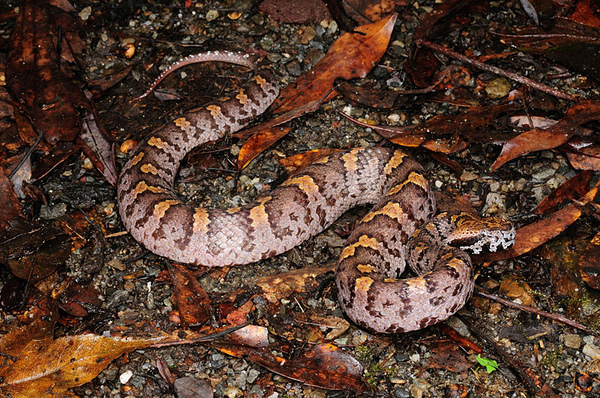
[401, 228]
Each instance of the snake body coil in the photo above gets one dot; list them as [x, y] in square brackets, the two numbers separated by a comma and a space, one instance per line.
[391, 235]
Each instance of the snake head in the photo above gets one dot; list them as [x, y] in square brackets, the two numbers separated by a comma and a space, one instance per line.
[472, 233]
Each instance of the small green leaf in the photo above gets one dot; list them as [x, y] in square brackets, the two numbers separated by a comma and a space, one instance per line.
[490, 364]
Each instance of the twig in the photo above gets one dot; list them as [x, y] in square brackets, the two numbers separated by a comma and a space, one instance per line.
[207, 338]
[497, 71]
[515, 364]
[554, 317]
[26, 156]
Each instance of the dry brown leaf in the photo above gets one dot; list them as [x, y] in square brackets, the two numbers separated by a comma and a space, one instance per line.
[294, 163]
[251, 336]
[13, 342]
[47, 368]
[282, 285]
[551, 137]
[37, 77]
[447, 355]
[260, 141]
[514, 289]
[265, 134]
[352, 55]
[11, 207]
[191, 298]
[586, 158]
[536, 234]
[571, 189]
[468, 125]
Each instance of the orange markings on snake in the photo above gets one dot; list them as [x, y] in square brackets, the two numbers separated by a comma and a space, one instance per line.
[305, 183]
[366, 268]
[242, 97]
[258, 213]
[182, 123]
[201, 220]
[363, 283]
[350, 160]
[137, 158]
[157, 142]
[391, 209]
[363, 241]
[161, 208]
[215, 110]
[394, 162]
[149, 169]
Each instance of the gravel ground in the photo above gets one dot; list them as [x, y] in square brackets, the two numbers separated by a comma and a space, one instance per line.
[410, 365]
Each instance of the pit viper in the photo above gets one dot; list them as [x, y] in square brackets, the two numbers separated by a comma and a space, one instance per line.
[400, 229]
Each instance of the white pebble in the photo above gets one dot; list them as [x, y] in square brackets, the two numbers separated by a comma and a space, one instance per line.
[125, 376]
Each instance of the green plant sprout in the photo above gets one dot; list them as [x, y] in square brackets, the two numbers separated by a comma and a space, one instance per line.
[490, 364]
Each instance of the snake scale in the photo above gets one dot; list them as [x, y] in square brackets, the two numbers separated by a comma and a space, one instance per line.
[399, 229]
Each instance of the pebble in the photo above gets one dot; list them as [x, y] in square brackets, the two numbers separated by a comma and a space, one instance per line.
[556, 181]
[544, 174]
[125, 376]
[232, 392]
[293, 68]
[266, 43]
[572, 340]
[458, 326]
[494, 186]
[85, 13]
[520, 184]
[591, 351]
[494, 203]
[117, 264]
[498, 88]
[253, 375]
[48, 212]
[359, 338]
[468, 176]
[538, 193]
[212, 15]
[419, 388]
[332, 27]
[118, 297]
[309, 34]
[589, 339]
[314, 55]
[401, 393]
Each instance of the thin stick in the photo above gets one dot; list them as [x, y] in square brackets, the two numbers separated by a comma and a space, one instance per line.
[497, 71]
[554, 317]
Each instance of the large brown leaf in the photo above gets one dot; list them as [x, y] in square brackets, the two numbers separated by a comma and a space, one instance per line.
[48, 368]
[352, 55]
[34, 74]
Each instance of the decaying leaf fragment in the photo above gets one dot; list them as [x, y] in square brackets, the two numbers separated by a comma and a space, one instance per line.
[323, 365]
